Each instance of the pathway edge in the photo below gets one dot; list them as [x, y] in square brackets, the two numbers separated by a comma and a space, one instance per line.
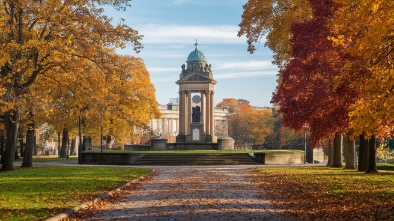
[68, 212]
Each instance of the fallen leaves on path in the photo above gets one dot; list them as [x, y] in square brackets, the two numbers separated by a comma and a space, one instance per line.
[192, 193]
[93, 208]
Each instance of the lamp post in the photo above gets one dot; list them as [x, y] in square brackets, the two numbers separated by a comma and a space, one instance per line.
[305, 127]
[80, 141]
[101, 137]
[388, 146]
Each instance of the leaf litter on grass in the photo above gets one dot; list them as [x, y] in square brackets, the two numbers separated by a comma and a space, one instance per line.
[310, 193]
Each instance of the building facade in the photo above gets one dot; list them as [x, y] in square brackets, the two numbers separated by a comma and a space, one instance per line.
[168, 125]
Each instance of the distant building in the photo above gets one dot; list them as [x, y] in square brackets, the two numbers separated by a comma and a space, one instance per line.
[168, 125]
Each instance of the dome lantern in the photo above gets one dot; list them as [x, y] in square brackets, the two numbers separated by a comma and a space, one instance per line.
[196, 55]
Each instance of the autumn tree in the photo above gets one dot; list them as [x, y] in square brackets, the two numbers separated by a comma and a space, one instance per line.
[230, 103]
[349, 152]
[246, 124]
[308, 92]
[272, 20]
[40, 38]
[365, 29]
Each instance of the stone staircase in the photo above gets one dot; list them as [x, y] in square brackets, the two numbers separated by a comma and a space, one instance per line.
[195, 159]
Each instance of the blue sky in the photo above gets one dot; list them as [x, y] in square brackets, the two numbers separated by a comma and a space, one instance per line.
[170, 28]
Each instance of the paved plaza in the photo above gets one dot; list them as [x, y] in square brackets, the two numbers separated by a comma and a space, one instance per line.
[195, 193]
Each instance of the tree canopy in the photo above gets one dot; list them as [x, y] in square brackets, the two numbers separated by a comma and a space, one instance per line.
[271, 20]
[60, 58]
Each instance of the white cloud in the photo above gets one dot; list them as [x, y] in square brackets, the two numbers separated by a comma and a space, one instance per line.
[245, 74]
[160, 80]
[246, 65]
[173, 75]
[170, 70]
[177, 34]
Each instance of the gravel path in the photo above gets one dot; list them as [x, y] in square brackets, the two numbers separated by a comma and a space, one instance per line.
[195, 193]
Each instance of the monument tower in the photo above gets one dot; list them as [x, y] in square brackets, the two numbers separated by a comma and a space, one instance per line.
[196, 106]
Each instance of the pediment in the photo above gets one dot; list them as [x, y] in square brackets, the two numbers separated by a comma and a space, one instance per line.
[196, 77]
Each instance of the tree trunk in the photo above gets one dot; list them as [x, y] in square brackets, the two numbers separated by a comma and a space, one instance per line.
[11, 123]
[337, 160]
[21, 146]
[330, 153]
[35, 145]
[73, 145]
[109, 142]
[350, 156]
[2, 144]
[86, 143]
[63, 150]
[58, 143]
[371, 166]
[363, 154]
[28, 153]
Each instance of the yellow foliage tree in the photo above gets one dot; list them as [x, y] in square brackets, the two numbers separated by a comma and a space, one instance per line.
[365, 28]
[272, 19]
[42, 38]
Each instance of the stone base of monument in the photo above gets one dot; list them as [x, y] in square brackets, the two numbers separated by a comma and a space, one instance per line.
[210, 138]
[196, 135]
[203, 139]
[226, 143]
[194, 146]
[158, 144]
[195, 129]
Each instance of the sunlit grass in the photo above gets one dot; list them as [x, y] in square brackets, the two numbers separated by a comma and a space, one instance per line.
[51, 159]
[40, 192]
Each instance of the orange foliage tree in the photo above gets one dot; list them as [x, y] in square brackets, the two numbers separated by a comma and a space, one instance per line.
[246, 124]
[365, 29]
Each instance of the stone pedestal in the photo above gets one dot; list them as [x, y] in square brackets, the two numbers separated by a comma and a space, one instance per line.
[226, 143]
[158, 144]
[195, 129]
[318, 155]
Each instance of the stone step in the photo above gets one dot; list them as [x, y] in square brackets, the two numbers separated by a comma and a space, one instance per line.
[195, 159]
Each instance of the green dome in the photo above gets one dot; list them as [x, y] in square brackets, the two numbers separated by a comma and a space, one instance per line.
[196, 55]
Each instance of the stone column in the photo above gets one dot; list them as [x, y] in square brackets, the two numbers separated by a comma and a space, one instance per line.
[182, 113]
[158, 126]
[177, 125]
[207, 111]
[164, 126]
[189, 112]
[169, 120]
[203, 107]
[212, 114]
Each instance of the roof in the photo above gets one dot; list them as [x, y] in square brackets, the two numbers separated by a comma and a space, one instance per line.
[196, 55]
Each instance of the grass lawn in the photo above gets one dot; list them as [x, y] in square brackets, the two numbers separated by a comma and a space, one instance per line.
[43, 159]
[321, 193]
[41, 192]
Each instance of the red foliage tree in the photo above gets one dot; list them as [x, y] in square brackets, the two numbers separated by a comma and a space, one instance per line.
[311, 89]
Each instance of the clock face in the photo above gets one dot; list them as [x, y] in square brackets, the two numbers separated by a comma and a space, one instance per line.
[196, 99]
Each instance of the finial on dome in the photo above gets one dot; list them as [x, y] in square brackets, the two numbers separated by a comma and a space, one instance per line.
[196, 44]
